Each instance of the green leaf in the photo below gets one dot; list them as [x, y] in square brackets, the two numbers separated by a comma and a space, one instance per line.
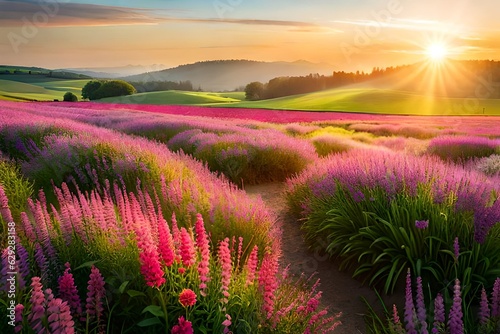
[154, 310]
[86, 265]
[149, 322]
[122, 287]
[135, 293]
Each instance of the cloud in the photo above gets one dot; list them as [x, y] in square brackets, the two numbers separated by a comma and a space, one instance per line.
[61, 13]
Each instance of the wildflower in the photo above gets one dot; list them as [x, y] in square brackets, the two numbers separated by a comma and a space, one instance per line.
[252, 263]
[226, 323]
[184, 327]
[95, 293]
[224, 255]
[188, 253]
[4, 207]
[396, 325]
[313, 303]
[495, 299]
[187, 297]
[268, 282]
[151, 268]
[484, 310]
[455, 321]
[59, 315]
[456, 249]
[37, 301]
[421, 224]
[439, 314]
[421, 313]
[68, 291]
[203, 245]
[409, 307]
[166, 245]
[18, 317]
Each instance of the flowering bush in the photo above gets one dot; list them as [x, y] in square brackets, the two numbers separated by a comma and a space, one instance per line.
[381, 212]
[462, 148]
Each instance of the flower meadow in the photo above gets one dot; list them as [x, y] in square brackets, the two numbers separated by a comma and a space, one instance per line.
[134, 218]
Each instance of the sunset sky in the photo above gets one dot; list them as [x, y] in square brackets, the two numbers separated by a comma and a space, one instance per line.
[348, 34]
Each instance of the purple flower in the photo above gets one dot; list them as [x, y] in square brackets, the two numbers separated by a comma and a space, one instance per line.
[421, 224]
[409, 307]
[421, 312]
[484, 310]
[495, 299]
[456, 249]
[455, 321]
[439, 314]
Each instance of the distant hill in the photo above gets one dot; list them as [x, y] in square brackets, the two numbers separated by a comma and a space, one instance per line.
[226, 75]
[114, 72]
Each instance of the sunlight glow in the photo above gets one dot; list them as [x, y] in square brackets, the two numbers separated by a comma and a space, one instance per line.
[437, 52]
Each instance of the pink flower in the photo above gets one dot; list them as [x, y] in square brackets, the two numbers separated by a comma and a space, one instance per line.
[37, 301]
[224, 255]
[184, 327]
[95, 293]
[313, 303]
[439, 314]
[455, 321]
[188, 253]
[166, 245]
[181, 270]
[151, 269]
[203, 245]
[252, 263]
[58, 315]
[268, 282]
[226, 323]
[187, 297]
[19, 317]
[4, 207]
[68, 291]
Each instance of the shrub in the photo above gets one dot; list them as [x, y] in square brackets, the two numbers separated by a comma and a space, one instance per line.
[462, 148]
[366, 205]
[99, 89]
[489, 165]
[70, 97]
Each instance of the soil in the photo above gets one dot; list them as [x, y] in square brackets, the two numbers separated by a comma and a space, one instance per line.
[341, 293]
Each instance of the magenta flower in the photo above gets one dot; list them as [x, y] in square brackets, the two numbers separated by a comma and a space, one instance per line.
[421, 312]
[252, 264]
[95, 294]
[455, 322]
[421, 224]
[151, 268]
[188, 252]
[484, 310]
[37, 301]
[226, 323]
[4, 207]
[439, 314]
[166, 246]
[69, 293]
[184, 327]
[268, 282]
[19, 318]
[203, 245]
[58, 315]
[495, 299]
[187, 297]
[224, 255]
[409, 307]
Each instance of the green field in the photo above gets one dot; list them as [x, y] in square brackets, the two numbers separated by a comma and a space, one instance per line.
[25, 87]
[373, 100]
[178, 97]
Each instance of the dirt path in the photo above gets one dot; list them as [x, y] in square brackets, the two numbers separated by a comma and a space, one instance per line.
[341, 293]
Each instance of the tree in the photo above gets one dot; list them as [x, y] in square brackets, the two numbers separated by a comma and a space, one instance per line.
[99, 89]
[254, 91]
[88, 91]
[70, 97]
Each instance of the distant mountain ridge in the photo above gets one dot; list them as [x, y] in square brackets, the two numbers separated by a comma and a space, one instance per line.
[226, 75]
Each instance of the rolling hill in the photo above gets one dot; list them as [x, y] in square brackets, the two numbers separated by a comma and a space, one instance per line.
[177, 98]
[227, 75]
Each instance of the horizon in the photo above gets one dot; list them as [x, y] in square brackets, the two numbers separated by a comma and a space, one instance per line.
[347, 35]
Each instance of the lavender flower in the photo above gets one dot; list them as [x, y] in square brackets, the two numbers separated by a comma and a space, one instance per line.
[484, 310]
[409, 307]
[421, 224]
[455, 322]
[456, 249]
[421, 312]
[439, 314]
[495, 299]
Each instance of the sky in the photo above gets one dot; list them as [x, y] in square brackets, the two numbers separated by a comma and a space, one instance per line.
[348, 34]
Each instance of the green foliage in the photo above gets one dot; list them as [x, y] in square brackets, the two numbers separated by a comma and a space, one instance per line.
[99, 89]
[70, 97]
[254, 91]
[378, 238]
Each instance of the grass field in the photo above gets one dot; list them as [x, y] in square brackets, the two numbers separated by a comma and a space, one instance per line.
[24, 87]
[178, 97]
[378, 101]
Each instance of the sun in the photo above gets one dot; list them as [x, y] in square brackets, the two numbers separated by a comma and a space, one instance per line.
[437, 52]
